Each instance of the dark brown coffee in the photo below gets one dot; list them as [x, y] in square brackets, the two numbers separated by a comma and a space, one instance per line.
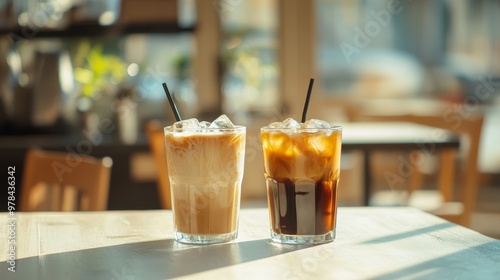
[302, 208]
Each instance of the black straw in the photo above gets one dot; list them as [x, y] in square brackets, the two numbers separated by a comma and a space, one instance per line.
[172, 103]
[306, 105]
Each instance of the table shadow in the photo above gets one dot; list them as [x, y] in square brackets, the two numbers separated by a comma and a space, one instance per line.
[158, 259]
[402, 235]
[463, 264]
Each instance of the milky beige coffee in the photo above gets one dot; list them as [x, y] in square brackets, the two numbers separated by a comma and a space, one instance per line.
[206, 170]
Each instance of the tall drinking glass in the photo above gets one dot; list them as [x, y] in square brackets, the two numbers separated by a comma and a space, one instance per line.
[206, 169]
[302, 168]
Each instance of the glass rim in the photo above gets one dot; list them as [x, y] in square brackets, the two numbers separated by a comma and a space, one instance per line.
[301, 129]
[236, 128]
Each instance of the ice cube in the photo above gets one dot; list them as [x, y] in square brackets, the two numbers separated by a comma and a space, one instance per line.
[205, 124]
[290, 123]
[189, 123]
[222, 122]
[275, 125]
[315, 123]
[319, 143]
[287, 123]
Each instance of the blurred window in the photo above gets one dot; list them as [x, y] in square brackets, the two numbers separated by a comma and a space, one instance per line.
[249, 56]
[387, 48]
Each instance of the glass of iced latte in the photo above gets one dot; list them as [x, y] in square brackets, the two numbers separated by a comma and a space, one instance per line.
[205, 163]
[301, 168]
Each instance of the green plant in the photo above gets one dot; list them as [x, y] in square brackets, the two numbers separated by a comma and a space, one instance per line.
[95, 70]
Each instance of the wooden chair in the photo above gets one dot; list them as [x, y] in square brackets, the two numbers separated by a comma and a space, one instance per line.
[467, 172]
[157, 144]
[57, 181]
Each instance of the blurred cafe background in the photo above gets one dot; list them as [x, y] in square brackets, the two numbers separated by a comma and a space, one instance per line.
[84, 77]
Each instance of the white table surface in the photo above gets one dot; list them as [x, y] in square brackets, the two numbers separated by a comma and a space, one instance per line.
[371, 243]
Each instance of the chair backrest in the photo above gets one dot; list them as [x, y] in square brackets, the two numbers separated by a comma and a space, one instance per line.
[58, 181]
[157, 144]
[469, 128]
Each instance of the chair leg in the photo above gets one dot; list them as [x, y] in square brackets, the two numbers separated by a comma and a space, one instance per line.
[447, 174]
[416, 179]
[55, 198]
